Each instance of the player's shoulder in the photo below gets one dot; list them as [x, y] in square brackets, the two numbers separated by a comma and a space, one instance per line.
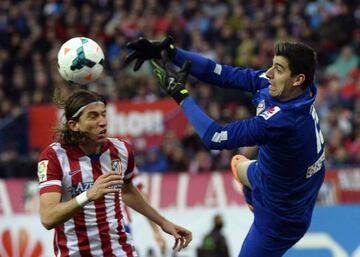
[120, 143]
[49, 151]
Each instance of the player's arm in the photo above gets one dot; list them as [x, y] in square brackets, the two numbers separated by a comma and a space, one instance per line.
[222, 75]
[254, 131]
[53, 212]
[155, 229]
[133, 198]
[203, 68]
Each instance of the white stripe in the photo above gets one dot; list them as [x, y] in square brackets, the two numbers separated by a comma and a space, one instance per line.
[50, 183]
[123, 154]
[90, 210]
[218, 69]
[69, 227]
[218, 137]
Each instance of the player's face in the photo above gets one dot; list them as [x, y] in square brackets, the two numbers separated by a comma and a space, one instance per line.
[93, 122]
[282, 84]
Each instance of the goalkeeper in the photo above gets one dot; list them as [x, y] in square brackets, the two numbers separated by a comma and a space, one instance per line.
[282, 184]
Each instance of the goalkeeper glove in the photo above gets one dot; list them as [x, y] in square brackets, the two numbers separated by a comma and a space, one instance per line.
[172, 81]
[144, 49]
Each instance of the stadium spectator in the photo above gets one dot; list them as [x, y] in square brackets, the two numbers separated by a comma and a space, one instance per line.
[214, 243]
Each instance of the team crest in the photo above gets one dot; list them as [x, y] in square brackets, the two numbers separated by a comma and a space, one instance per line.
[116, 165]
[260, 107]
[42, 170]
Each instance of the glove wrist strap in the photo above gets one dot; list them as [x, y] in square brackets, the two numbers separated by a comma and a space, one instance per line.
[179, 96]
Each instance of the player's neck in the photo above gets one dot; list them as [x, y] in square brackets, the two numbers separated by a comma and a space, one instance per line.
[89, 149]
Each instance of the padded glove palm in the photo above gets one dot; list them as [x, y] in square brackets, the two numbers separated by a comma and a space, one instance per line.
[172, 81]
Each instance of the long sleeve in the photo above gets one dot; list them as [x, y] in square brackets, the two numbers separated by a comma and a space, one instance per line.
[254, 131]
[222, 75]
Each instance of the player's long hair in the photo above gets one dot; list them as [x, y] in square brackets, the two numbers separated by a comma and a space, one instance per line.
[301, 58]
[71, 105]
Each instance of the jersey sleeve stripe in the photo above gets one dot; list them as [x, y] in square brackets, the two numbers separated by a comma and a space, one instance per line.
[51, 189]
[50, 183]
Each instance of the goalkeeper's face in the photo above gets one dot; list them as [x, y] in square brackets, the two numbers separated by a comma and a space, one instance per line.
[283, 85]
[93, 122]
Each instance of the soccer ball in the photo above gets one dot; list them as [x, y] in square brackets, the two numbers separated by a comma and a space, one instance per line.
[80, 60]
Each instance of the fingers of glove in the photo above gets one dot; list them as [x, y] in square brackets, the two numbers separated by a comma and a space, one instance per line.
[167, 41]
[157, 64]
[135, 43]
[168, 66]
[186, 66]
[166, 60]
[130, 57]
[138, 64]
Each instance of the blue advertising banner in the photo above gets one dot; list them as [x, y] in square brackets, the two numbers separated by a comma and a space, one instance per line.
[334, 232]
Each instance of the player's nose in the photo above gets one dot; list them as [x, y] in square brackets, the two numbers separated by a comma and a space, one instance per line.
[269, 73]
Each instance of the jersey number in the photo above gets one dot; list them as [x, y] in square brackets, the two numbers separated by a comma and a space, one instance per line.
[319, 135]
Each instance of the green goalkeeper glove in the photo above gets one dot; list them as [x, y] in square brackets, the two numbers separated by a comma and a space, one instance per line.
[144, 49]
[172, 81]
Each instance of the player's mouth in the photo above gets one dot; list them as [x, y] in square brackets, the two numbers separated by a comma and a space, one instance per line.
[272, 86]
[102, 133]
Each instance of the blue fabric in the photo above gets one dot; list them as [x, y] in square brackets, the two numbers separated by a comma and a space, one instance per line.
[289, 170]
[200, 120]
[257, 244]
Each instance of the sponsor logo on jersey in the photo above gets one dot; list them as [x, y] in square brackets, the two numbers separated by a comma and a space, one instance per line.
[270, 112]
[74, 172]
[116, 165]
[79, 188]
[260, 107]
[42, 170]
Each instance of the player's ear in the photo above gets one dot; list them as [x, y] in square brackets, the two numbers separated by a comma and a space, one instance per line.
[299, 79]
[73, 125]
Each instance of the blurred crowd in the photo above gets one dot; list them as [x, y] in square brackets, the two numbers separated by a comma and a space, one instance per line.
[240, 33]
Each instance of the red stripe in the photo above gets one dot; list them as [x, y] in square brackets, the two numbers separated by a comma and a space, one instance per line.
[114, 154]
[50, 189]
[122, 235]
[79, 217]
[61, 241]
[131, 161]
[100, 208]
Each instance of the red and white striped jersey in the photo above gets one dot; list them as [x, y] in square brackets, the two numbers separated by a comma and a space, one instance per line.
[97, 229]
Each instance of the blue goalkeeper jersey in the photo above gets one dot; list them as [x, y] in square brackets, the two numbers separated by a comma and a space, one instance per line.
[290, 167]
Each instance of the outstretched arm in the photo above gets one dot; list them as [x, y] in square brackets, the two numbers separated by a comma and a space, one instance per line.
[254, 131]
[204, 69]
[222, 75]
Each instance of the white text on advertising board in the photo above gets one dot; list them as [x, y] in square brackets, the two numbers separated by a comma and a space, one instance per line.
[134, 123]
